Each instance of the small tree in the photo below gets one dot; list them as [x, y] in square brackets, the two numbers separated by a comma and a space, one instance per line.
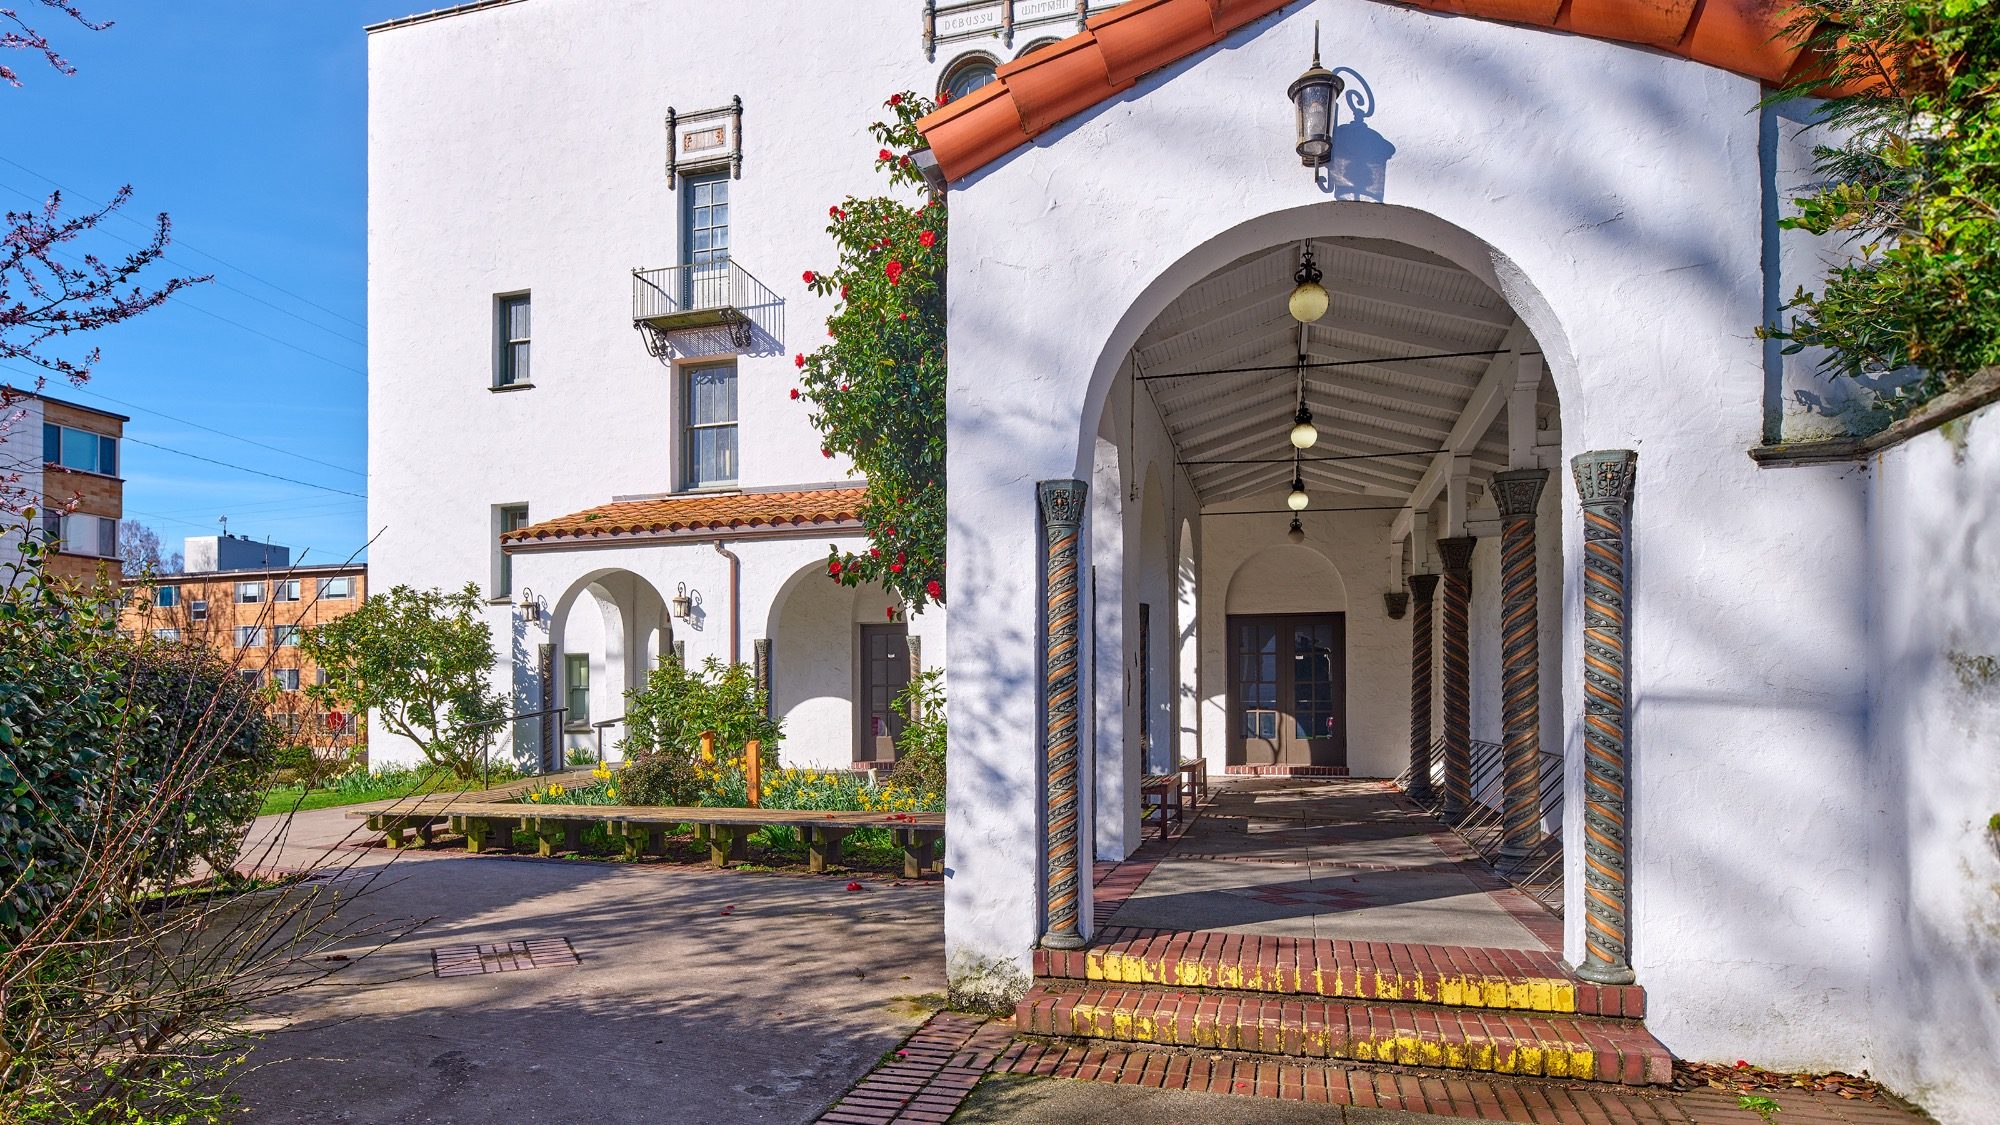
[877, 390]
[664, 722]
[920, 752]
[139, 551]
[421, 660]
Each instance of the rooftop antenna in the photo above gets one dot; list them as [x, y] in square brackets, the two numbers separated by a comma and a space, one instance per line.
[224, 521]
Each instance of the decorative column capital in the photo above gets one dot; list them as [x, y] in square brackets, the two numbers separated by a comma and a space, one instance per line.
[1424, 586]
[1397, 602]
[1604, 476]
[1517, 492]
[1457, 553]
[1062, 503]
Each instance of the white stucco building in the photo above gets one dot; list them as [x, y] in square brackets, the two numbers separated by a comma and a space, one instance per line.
[1542, 243]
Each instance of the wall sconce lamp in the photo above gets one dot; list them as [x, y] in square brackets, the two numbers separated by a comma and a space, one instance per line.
[1312, 93]
[683, 604]
[531, 606]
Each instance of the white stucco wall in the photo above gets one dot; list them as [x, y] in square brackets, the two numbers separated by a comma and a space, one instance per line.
[1536, 161]
[499, 163]
[20, 477]
[1935, 695]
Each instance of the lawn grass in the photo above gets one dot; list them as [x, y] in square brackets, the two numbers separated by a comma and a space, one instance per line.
[355, 789]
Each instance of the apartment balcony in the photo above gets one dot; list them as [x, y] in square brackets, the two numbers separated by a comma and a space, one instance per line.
[713, 308]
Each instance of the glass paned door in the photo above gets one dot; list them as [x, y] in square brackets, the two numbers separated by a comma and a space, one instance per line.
[885, 672]
[1287, 690]
[705, 231]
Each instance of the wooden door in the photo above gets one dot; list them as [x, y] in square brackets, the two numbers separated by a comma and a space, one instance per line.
[1288, 690]
[885, 672]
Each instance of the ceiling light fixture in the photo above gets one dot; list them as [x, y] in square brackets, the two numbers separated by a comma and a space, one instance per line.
[1309, 298]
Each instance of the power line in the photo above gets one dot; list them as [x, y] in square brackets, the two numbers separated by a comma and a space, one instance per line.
[196, 425]
[1309, 460]
[1330, 363]
[247, 469]
[190, 246]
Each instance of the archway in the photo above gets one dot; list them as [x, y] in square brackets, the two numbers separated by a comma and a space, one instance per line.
[599, 654]
[838, 657]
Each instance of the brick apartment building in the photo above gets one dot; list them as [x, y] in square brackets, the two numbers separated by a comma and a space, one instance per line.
[245, 599]
[73, 484]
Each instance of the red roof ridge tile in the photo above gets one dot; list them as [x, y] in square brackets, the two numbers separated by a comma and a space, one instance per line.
[1038, 91]
[694, 513]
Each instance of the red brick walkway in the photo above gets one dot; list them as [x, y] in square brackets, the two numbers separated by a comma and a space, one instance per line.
[937, 1068]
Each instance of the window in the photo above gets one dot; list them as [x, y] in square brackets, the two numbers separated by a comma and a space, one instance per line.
[82, 535]
[576, 679]
[197, 611]
[705, 222]
[512, 369]
[285, 636]
[166, 597]
[967, 73]
[506, 518]
[709, 401]
[287, 591]
[79, 449]
[336, 587]
[319, 677]
[250, 677]
[249, 636]
[166, 634]
[249, 592]
[287, 679]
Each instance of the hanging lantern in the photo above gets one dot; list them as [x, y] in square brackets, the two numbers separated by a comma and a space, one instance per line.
[1298, 500]
[1304, 436]
[1309, 298]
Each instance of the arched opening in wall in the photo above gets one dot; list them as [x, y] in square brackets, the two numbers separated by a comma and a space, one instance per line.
[1340, 461]
[966, 73]
[839, 657]
[1154, 589]
[607, 632]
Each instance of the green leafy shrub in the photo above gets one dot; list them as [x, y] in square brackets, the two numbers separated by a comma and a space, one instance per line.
[1913, 183]
[920, 750]
[664, 722]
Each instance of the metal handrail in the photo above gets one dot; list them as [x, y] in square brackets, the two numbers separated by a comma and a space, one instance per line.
[486, 752]
[599, 728]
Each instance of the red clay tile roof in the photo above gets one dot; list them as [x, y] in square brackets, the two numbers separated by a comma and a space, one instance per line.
[1039, 90]
[693, 515]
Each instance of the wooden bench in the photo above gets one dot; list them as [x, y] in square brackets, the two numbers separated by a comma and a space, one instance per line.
[1194, 782]
[1160, 799]
[643, 828]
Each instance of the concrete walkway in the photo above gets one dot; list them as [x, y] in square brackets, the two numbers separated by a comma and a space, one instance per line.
[1338, 859]
[698, 995]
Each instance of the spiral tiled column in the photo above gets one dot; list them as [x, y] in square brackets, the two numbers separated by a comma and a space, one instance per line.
[1062, 515]
[1422, 629]
[1517, 492]
[1456, 608]
[1604, 484]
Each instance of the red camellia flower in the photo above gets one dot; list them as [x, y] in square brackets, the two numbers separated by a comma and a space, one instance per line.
[885, 155]
[853, 886]
[799, 360]
[894, 270]
[833, 568]
[902, 316]
[810, 277]
[928, 238]
[875, 552]
[834, 212]
[890, 613]
[843, 292]
[843, 386]
[934, 588]
[895, 568]
[944, 96]
[825, 452]
[895, 100]
[795, 394]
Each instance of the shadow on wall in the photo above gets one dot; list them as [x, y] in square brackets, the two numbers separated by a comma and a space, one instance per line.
[1359, 168]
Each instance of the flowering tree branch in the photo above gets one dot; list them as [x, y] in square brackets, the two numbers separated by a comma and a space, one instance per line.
[19, 36]
[877, 389]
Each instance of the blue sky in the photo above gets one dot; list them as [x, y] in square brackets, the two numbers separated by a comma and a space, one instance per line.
[246, 121]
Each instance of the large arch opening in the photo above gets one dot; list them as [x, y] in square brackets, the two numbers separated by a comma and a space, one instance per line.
[607, 632]
[839, 657]
[1424, 384]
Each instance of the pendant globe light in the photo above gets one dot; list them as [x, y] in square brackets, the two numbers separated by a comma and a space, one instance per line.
[1309, 298]
[1303, 435]
[1298, 499]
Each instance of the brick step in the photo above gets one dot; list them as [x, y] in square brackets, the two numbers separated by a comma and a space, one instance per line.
[1451, 976]
[1533, 1045]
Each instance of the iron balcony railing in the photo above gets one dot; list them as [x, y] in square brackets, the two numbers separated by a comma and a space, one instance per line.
[707, 295]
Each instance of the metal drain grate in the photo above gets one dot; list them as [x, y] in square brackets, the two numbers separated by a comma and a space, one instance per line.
[504, 957]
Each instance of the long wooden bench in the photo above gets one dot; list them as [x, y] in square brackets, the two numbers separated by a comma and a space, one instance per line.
[643, 828]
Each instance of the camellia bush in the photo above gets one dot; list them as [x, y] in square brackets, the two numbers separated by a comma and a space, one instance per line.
[1913, 183]
[876, 390]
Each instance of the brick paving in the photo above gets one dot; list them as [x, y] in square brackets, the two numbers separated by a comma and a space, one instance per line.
[927, 1078]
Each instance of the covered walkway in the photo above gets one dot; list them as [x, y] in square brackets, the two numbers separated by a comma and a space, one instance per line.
[1333, 859]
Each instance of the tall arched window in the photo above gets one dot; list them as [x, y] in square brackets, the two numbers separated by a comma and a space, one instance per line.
[966, 73]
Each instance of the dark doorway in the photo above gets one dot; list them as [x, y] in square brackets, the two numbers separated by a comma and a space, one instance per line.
[1288, 690]
[885, 672]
